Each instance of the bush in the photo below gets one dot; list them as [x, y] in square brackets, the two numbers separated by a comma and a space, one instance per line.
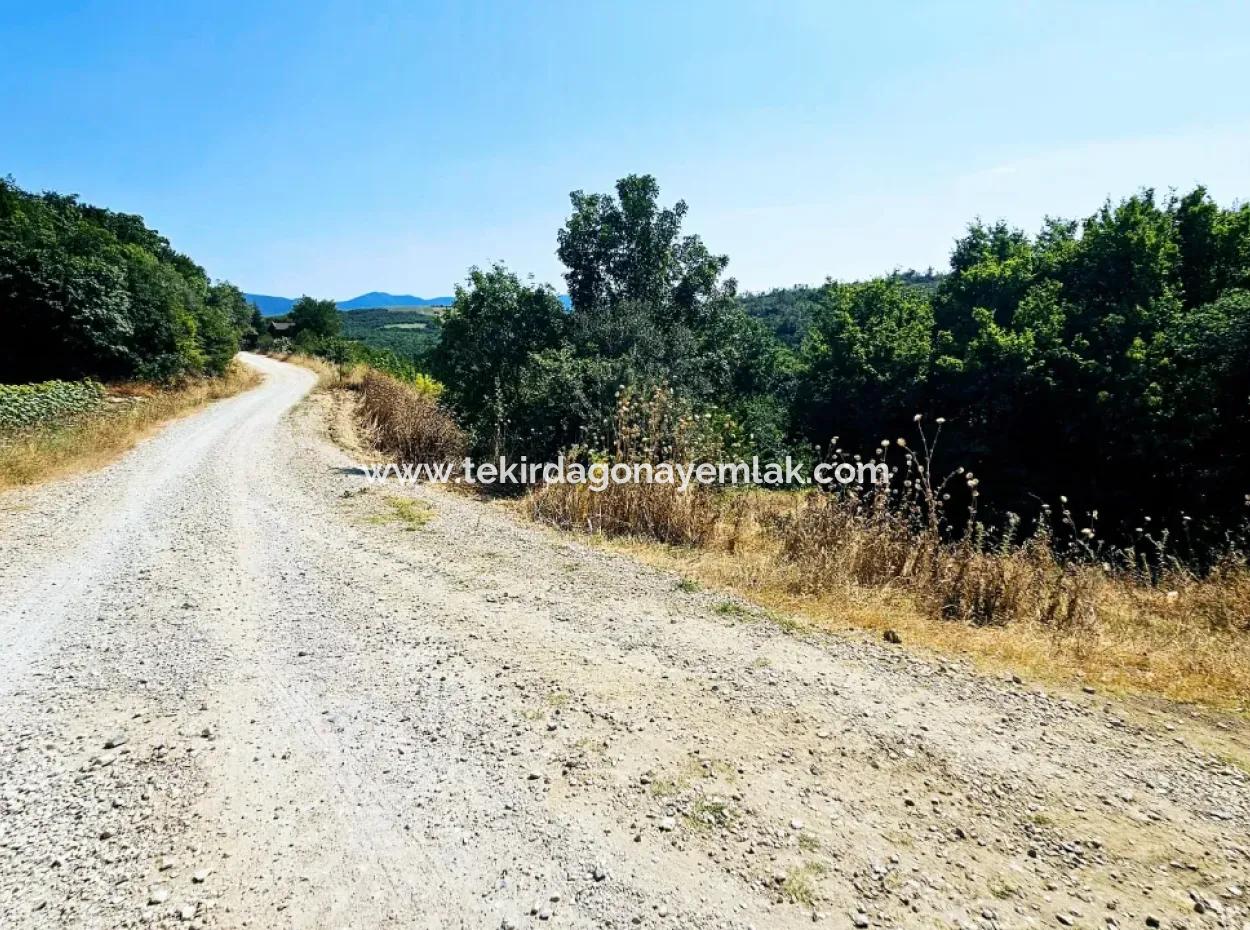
[24, 405]
[93, 293]
[650, 429]
[835, 539]
[408, 423]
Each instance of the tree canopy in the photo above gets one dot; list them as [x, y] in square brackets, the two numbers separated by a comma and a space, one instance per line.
[1101, 360]
[86, 291]
[650, 308]
[318, 317]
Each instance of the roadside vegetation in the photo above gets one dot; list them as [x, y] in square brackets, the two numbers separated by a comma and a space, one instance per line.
[93, 434]
[88, 292]
[108, 333]
[406, 421]
[1064, 416]
[1101, 360]
[23, 406]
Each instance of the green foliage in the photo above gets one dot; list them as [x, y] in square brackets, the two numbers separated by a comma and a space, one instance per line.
[787, 312]
[86, 291]
[497, 325]
[869, 346]
[1103, 360]
[346, 352]
[315, 317]
[25, 405]
[650, 310]
[628, 248]
[409, 333]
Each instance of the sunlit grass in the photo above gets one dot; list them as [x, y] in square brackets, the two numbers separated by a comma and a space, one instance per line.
[92, 440]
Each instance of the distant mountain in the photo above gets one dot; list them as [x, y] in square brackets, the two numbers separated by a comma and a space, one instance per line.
[271, 306]
[376, 299]
[277, 306]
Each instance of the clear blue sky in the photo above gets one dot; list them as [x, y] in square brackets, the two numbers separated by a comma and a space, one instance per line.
[332, 148]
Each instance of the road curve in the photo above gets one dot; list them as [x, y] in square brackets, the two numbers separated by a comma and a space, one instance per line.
[238, 690]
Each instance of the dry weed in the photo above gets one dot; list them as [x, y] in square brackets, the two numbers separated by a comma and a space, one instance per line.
[407, 423]
[134, 411]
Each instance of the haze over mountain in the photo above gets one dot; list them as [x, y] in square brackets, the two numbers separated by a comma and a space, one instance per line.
[276, 306]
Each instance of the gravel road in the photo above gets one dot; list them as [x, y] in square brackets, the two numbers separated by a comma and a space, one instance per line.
[240, 689]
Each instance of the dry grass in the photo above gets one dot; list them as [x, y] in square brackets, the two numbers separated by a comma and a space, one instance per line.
[1055, 605]
[132, 412]
[800, 884]
[659, 512]
[328, 375]
[877, 539]
[407, 423]
[1139, 640]
[643, 432]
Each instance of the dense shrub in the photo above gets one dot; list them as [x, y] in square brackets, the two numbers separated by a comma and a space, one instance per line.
[23, 405]
[88, 292]
[1102, 359]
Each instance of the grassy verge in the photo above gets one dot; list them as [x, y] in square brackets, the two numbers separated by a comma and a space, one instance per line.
[830, 563]
[1129, 649]
[132, 411]
[1181, 640]
[328, 375]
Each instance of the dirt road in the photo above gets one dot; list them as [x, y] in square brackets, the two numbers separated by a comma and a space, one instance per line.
[237, 691]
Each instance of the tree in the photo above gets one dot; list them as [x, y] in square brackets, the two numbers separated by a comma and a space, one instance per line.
[319, 317]
[865, 362]
[496, 324]
[86, 291]
[628, 248]
[651, 308]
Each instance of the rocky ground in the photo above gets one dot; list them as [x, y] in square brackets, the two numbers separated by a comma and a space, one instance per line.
[239, 688]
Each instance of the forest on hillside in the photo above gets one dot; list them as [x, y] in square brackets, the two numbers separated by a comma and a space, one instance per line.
[1097, 366]
[788, 311]
[86, 291]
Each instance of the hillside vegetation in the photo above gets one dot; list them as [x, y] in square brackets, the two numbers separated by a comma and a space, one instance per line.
[789, 311]
[1064, 417]
[1099, 362]
[409, 333]
[86, 291]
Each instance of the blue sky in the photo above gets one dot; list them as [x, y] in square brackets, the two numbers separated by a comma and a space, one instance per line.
[330, 149]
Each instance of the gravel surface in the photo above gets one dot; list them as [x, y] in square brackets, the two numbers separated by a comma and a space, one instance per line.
[239, 689]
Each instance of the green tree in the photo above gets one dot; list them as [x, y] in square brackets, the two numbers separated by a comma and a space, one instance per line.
[497, 322]
[319, 317]
[628, 248]
[86, 291]
[865, 362]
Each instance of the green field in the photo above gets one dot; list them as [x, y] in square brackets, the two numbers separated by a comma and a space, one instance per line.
[409, 332]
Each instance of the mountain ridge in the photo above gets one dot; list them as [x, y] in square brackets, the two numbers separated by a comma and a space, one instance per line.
[272, 305]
